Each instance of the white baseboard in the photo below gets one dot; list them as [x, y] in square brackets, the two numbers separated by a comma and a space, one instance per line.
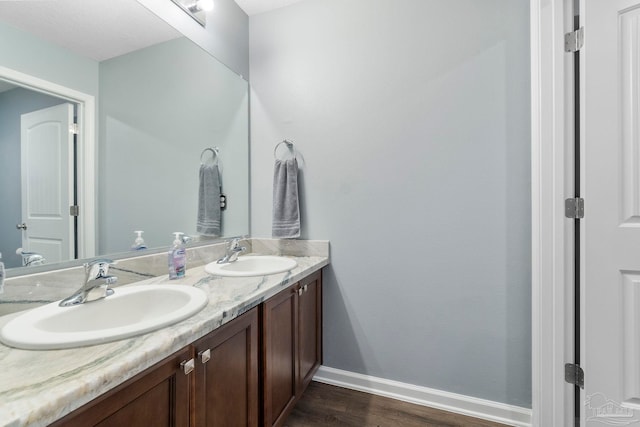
[458, 403]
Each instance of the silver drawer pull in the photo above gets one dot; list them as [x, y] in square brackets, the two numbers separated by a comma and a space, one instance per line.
[205, 355]
[300, 291]
[305, 288]
[188, 366]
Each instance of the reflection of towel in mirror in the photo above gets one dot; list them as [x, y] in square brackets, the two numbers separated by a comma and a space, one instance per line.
[286, 207]
[209, 213]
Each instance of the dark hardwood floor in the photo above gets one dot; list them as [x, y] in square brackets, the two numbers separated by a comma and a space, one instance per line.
[326, 405]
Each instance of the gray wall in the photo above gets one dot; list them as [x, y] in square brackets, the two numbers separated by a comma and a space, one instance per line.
[160, 107]
[413, 119]
[28, 54]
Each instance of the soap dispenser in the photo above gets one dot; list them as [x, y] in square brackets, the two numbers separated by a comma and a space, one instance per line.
[138, 244]
[177, 257]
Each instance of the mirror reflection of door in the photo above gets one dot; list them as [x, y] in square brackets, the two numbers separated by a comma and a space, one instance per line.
[47, 159]
[14, 102]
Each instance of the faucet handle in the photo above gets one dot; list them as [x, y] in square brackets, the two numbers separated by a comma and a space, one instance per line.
[234, 245]
[97, 268]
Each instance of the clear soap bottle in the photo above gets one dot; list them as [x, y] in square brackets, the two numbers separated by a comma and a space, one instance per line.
[177, 257]
[138, 244]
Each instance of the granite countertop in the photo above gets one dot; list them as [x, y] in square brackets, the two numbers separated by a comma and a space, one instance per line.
[39, 387]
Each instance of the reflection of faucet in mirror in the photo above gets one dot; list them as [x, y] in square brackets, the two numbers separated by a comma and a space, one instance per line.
[30, 258]
[233, 250]
[96, 284]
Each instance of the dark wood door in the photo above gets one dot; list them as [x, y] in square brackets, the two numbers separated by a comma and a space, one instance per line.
[158, 396]
[279, 364]
[309, 329]
[227, 375]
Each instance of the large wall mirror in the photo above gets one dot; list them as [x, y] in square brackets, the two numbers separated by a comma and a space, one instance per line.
[149, 104]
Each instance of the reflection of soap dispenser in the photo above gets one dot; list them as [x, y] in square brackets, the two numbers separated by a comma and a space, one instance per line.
[1, 274]
[138, 244]
[177, 258]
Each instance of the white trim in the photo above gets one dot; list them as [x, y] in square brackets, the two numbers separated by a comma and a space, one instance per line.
[86, 151]
[87, 185]
[460, 404]
[552, 251]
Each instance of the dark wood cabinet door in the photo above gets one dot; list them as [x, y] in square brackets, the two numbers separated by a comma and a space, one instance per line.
[309, 329]
[279, 363]
[227, 375]
[158, 396]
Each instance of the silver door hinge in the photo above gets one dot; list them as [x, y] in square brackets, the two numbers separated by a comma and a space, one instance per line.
[573, 374]
[574, 40]
[73, 128]
[74, 210]
[574, 208]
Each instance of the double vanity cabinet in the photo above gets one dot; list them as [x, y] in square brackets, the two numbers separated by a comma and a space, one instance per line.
[248, 372]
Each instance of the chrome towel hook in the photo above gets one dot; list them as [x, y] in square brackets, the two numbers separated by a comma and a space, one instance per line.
[289, 145]
[214, 151]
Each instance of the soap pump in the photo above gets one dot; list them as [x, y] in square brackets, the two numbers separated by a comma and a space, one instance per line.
[177, 257]
[138, 244]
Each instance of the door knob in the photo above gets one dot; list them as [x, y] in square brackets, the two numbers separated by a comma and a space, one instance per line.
[22, 226]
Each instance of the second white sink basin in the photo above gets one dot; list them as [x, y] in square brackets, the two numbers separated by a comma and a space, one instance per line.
[130, 311]
[252, 265]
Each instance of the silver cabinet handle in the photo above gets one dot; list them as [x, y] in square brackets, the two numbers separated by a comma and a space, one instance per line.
[22, 226]
[300, 291]
[205, 355]
[305, 288]
[188, 366]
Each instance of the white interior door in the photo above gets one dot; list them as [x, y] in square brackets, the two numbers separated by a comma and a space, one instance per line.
[610, 252]
[47, 183]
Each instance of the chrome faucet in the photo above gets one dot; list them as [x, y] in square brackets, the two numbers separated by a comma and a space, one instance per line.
[233, 250]
[96, 284]
[30, 258]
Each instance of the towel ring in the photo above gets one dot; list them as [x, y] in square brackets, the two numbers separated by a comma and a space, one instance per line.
[289, 145]
[214, 152]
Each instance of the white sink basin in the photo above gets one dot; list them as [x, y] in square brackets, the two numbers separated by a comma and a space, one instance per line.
[252, 265]
[130, 311]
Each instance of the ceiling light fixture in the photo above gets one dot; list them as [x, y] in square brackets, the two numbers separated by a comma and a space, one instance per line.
[206, 5]
[197, 9]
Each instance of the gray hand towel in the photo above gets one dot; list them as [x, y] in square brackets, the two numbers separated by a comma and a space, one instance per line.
[209, 213]
[286, 207]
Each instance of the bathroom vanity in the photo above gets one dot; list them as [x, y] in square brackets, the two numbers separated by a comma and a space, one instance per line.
[245, 359]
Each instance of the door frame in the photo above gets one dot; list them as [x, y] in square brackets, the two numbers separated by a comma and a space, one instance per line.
[552, 235]
[86, 153]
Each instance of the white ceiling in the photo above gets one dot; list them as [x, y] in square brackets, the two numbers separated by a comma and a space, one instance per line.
[254, 7]
[61, 21]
